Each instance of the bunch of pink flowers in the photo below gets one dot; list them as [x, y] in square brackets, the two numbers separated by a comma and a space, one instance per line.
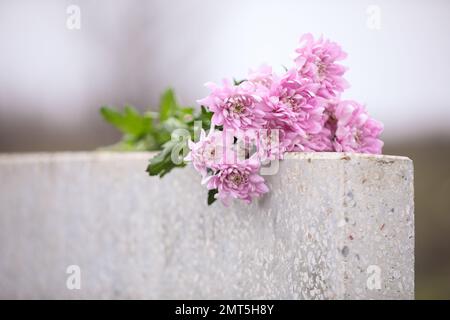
[302, 106]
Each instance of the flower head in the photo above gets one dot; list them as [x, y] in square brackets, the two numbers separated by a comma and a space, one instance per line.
[239, 181]
[317, 60]
[209, 150]
[294, 108]
[293, 104]
[356, 131]
[265, 144]
[262, 77]
[316, 142]
[236, 107]
[267, 115]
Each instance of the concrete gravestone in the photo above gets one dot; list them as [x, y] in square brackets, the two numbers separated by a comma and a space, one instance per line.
[94, 225]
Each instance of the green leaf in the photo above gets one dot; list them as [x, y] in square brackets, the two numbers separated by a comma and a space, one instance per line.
[186, 114]
[162, 136]
[129, 121]
[151, 130]
[238, 82]
[168, 105]
[205, 117]
[162, 163]
[121, 146]
[155, 131]
[173, 123]
[211, 196]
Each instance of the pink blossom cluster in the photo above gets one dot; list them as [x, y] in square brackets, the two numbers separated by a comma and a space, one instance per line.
[303, 106]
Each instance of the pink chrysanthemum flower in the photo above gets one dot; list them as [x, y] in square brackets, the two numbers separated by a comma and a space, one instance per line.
[268, 115]
[293, 105]
[356, 131]
[262, 77]
[209, 150]
[266, 144]
[271, 144]
[317, 61]
[239, 181]
[236, 107]
[317, 142]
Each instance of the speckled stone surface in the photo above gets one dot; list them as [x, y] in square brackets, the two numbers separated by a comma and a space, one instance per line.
[334, 226]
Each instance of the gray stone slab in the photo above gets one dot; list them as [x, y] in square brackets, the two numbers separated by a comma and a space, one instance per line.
[334, 226]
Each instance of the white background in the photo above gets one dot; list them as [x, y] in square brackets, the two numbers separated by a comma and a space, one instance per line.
[53, 80]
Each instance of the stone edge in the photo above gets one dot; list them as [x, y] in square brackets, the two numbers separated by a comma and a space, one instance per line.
[8, 158]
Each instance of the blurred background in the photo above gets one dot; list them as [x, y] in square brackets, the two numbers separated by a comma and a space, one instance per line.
[61, 60]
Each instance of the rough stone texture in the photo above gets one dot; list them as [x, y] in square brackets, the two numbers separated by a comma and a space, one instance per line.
[328, 218]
